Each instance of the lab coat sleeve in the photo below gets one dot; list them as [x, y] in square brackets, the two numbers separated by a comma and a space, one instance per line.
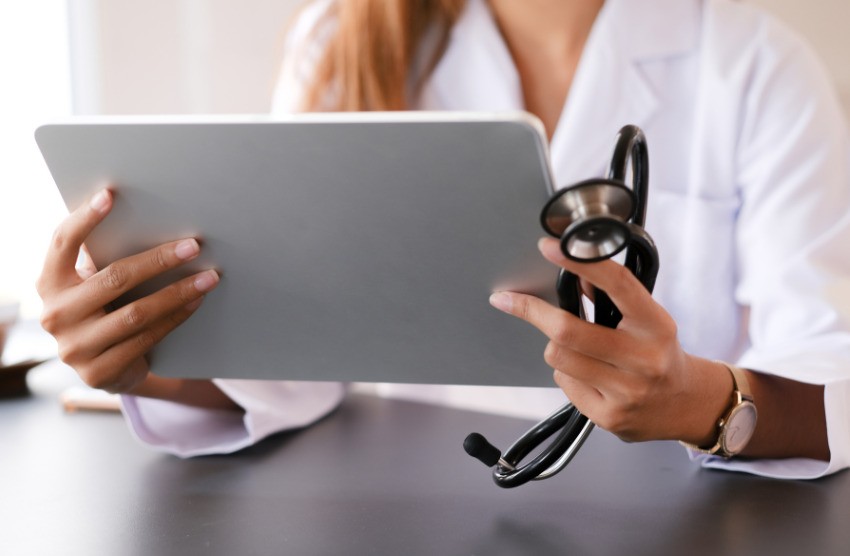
[793, 238]
[268, 407]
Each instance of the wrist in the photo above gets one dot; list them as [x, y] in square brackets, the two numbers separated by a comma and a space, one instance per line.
[198, 393]
[738, 424]
[157, 387]
[712, 389]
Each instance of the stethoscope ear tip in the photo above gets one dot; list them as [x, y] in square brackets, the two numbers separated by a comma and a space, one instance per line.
[478, 447]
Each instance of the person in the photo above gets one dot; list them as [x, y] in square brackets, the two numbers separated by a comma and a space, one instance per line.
[749, 204]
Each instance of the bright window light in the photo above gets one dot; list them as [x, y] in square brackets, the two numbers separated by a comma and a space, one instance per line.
[36, 88]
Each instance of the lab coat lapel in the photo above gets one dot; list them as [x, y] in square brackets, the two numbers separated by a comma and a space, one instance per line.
[611, 87]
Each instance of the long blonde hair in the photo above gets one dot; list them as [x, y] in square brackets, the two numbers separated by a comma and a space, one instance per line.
[369, 58]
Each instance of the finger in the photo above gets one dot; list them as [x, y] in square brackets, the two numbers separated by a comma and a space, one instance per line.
[132, 319]
[615, 384]
[586, 398]
[125, 274]
[127, 380]
[564, 328]
[133, 348]
[59, 271]
[592, 403]
[624, 289]
[589, 370]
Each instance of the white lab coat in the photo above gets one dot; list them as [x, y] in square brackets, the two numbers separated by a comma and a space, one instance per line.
[749, 204]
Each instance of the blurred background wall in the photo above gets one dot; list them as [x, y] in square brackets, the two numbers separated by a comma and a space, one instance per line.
[826, 25]
[221, 56]
[183, 56]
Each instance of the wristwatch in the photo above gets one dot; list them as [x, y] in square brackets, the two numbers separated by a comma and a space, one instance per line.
[738, 424]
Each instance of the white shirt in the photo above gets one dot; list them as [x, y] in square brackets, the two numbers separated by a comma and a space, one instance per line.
[749, 204]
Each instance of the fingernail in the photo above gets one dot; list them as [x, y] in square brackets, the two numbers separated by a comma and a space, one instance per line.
[100, 202]
[501, 301]
[206, 281]
[187, 249]
[194, 304]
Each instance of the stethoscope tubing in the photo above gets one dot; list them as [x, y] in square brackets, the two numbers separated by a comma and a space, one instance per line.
[568, 420]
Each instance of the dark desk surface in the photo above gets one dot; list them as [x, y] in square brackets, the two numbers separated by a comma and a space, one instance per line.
[382, 477]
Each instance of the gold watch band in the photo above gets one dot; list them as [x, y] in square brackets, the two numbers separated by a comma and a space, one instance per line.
[741, 395]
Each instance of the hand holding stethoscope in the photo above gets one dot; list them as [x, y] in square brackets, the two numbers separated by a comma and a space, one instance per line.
[630, 376]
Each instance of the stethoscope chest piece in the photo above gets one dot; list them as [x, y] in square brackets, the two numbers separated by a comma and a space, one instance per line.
[591, 219]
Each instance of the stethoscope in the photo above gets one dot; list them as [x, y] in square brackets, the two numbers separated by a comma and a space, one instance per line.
[595, 220]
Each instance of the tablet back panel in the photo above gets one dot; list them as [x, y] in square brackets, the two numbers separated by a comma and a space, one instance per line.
[350, 249]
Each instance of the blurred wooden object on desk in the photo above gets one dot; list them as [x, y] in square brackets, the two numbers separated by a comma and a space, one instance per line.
[13, 379]
[23, 345]
[83, 398]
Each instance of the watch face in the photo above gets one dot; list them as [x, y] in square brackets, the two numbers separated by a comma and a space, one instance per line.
[740, 427]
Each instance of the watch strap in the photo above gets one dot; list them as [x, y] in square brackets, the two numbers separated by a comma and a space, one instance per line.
[741, 394]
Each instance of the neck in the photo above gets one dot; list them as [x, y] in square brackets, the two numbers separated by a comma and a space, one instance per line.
[546, 39]
[557, 28]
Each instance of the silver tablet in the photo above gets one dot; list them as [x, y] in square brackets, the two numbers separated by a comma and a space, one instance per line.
[352, 247]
